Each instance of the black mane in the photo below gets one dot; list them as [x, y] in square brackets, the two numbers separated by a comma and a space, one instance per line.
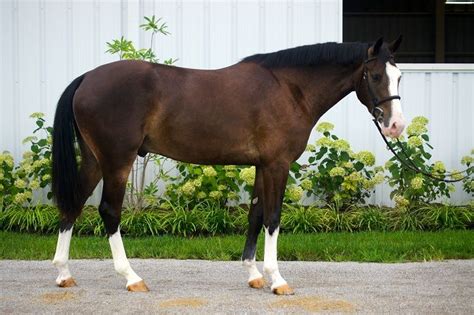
[311, 55]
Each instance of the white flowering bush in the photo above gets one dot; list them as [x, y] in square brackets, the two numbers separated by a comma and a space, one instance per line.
[217, 184]
[410, 187]
[17, 183]
[335, 173]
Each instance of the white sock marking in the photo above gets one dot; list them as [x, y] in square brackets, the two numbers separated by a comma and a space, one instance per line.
[61, 256]
[270, 264]
[121, 264]
[251, 267]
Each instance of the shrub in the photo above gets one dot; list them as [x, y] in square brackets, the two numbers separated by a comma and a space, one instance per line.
[196, 183]
[336, 174]
[17, 183]
[409, 187]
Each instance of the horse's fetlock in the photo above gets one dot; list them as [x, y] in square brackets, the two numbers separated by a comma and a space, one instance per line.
[122, 267]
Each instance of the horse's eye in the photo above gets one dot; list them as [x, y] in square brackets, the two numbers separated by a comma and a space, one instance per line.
[376, 77]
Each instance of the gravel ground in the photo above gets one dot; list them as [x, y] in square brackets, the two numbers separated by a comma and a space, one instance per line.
[196, 286]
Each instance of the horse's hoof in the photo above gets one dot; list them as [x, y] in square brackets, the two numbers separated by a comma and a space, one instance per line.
[67, 283]
[283, 290]
[139, 286]
[258, 283]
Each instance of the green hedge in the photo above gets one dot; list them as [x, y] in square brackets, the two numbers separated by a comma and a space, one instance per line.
[208, 219]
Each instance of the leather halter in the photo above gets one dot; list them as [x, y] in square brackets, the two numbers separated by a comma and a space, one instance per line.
[376, 111]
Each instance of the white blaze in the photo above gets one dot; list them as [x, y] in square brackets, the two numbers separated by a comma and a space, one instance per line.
[393, 75]
[121, 264]
[61, 257]
[270, 264]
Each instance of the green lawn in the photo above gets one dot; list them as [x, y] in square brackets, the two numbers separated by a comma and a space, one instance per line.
[362, 246]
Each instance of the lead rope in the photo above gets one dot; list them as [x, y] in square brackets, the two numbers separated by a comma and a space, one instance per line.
[412, 165]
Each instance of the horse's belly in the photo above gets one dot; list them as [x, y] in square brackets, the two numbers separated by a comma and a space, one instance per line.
[204, 150]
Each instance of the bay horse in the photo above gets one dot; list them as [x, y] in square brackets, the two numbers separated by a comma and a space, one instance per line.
[259, 112]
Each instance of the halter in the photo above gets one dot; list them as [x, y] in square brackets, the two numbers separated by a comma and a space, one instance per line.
[377, 113]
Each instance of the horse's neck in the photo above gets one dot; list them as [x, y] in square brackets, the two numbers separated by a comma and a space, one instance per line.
[322, 86]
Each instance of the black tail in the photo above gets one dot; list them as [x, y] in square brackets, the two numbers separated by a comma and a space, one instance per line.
[65, 171]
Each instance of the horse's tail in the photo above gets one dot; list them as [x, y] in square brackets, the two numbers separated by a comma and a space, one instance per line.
[65, 171]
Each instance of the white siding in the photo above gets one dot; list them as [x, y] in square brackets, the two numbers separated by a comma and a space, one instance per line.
[47, 43]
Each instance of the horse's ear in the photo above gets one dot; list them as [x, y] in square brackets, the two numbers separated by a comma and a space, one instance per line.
[374, 50]
[393, 46]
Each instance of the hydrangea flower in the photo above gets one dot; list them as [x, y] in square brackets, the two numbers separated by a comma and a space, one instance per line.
[456, 175]
[310, 147]
[341, 145]
[28, 155]
[188, 188]
[324, 126]
[20, 183]
[420, 120]
[294, 193]
[221, 187]
[248, 175]
[230, 167]
[348, 165]
[37, 115]
[324, 142]
[466, 160]
[197, 182]
[378, 178]
[416, 129]
[34, 184]
[209, 171]
[233, 195]
[201, 195]
[230, 174]
[306, 184]
[414, 141]
[46, 177]
[355, 177]
[2, 176]
[366, 157]
[29, 139]
[417, 183]
[337, 171]
[401, 201]
[215, 194]
[438, 167]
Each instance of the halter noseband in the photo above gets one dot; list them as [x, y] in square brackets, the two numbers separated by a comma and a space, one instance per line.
[376, 111]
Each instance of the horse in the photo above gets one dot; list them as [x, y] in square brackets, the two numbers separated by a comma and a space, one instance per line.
[259, 111]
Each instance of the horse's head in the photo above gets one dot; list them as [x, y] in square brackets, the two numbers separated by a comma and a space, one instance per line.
[378, 87]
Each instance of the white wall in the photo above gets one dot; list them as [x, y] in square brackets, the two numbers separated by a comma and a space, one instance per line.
[45, 44]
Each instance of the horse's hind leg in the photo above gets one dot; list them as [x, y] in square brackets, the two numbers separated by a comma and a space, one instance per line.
[255, 279]
[115, 179]
[89, 175]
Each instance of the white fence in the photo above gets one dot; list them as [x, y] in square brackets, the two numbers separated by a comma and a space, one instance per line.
[45, 44]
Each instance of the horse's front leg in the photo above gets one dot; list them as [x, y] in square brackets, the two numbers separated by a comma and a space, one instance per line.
[255, 279]
[274, 177]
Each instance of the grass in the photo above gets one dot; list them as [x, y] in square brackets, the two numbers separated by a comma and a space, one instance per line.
[343, 246]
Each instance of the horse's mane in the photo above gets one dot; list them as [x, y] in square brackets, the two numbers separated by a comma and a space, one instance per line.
[311, 55]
